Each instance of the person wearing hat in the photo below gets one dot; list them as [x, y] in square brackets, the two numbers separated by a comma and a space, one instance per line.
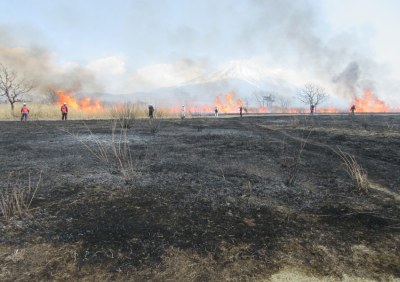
[24, 112]
[64, 111]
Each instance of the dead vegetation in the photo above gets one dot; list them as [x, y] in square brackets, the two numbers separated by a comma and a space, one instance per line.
[154, 126]
[357, 174]
[122, 154]
[291, 163]
[208, 205]
[116, 153]
[124, 115]
[16, 195]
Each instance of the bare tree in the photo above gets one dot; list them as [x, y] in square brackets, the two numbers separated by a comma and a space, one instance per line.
[264, 98]
[12, 87]
[312, 94]
[284, 104]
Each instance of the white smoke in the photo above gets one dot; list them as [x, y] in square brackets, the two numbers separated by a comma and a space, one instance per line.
[38, 65]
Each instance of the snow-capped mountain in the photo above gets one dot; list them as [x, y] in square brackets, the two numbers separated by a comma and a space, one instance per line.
[243, 77]
[246, 71]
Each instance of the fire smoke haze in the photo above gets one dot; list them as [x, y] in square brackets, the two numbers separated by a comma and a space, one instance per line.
[140, 48]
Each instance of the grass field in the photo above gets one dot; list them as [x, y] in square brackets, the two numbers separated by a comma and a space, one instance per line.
[52, 112]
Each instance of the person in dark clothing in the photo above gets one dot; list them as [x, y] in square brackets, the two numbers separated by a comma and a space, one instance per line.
[216, 111]
[241, 111]
[352, 109]
[151, 111]
[64, 111]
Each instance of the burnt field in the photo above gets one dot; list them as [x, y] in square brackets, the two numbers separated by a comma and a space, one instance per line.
[203, 199]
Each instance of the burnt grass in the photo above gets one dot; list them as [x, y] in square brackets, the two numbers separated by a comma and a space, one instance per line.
[211, 187]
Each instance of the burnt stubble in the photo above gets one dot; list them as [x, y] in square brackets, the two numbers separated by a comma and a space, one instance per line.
[216, 198]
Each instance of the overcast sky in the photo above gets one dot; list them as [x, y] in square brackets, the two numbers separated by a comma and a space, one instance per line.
[120, 43]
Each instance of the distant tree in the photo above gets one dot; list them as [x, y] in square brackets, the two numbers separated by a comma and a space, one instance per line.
[312, 94]
[284, 104]
[12, 87]
[265, 98]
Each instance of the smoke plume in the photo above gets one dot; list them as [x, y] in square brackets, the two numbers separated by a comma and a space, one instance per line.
[38, 65]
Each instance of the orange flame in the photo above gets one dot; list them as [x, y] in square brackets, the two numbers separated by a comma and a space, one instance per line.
[370, 104]
[329, 110]
[228, 103]
[86, 104]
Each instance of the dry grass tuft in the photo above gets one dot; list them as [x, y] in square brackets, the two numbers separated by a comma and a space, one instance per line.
[154, 126]
[354, 170]
[122, 154]
[290, 164]
[16, 196]
[115, 153]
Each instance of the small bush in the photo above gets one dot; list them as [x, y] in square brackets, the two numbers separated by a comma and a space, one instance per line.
[116, 153]
[124, 114]
[122, 154]
[154, 126]
[290, 164]
[16, 196]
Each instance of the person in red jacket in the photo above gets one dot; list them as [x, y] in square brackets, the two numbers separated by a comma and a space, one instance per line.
[64, 111]
[24, 112]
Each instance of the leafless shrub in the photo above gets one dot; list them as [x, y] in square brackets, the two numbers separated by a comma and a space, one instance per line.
[160, 113]
[354, 170]
[284, 104]
[115, 153]
[123, 155]
[290, 164]
[154, 126]
[124, 114]
[97, 147]
[16, 196]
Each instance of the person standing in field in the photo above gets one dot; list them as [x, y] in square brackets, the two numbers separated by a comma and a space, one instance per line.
[240, 111]
[64, 111]
[216, 111]
[312, 109]
[151, 111]
[183, 112]
[24, 112]
[352, 109]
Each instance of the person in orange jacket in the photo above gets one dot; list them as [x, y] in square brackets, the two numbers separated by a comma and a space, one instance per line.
[64, 111]
[24, 112]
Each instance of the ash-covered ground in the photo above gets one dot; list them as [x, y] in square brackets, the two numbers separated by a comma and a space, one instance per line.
[204, 199]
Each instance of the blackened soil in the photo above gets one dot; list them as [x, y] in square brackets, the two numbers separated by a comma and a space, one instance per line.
[204, 184]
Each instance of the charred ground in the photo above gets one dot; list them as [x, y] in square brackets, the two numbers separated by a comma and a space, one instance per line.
[207, 201]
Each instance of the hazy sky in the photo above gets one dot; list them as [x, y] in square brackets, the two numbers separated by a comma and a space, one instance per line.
[123, 44]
